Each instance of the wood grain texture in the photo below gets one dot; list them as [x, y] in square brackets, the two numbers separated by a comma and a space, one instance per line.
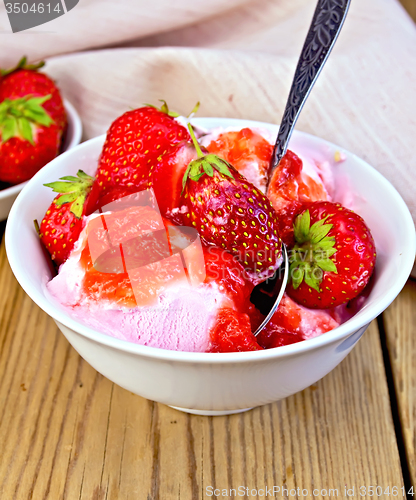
[66, 432]
[410, 6]
[400, 325]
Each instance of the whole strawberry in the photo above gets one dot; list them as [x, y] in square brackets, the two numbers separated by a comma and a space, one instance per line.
[229, 212]
[32, 122]
[333, 257]
[62, 223]
[136, 142]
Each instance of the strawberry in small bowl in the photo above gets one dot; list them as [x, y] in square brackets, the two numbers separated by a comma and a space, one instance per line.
[203, 263]
[36, 124]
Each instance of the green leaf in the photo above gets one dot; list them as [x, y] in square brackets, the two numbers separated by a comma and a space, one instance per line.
[37, 101]
[195, 169]
[296, 273]
[197, 176]
[25, 130]
[70, 178]
[326, 244]
[318, 233]
[66, 198]
[17, 116]
[77, 206]
[22, 64]
[301, 227]
[313, 280]
[219, 164]
[8, 129]
[82, 175]
[330, 252]
[185, 177]
[75, 190]
[61, 187]
[208, 168]
[327, 265]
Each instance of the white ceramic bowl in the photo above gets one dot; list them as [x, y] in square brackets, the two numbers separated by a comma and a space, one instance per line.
[72, 139]
[215, 383]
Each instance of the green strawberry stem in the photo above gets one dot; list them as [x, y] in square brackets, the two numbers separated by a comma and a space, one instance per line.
[22, 65]
[74, 190]
[204, 164]
[312, 251]
[195, 142]
[36, 223]
[164, 108]
[17, 116]
[196, 107]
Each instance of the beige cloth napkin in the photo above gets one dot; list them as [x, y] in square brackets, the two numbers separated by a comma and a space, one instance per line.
[363, 101]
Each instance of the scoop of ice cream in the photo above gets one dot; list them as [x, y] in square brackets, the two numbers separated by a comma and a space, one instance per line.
[164, 294]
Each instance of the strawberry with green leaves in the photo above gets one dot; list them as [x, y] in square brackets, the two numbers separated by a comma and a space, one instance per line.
[231, 213]
[62, 223]
[32, 121]
[333, 257]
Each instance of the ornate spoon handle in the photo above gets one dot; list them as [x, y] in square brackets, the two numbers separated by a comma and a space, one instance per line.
[326, 24]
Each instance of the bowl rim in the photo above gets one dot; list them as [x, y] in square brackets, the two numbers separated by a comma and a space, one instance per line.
[338, 334]
[75, 119]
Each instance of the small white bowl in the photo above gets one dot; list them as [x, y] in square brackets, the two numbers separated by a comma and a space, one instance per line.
[215, 383]
[72, 139]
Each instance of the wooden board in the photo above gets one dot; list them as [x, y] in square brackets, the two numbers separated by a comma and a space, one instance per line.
[410, 6]
[400, 325]
[67, 432]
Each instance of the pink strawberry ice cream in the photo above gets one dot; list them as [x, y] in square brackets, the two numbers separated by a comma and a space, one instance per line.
[162, 305]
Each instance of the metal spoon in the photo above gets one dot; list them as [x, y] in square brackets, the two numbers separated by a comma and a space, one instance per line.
[325, 27]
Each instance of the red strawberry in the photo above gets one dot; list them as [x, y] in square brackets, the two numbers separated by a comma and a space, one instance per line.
[167, 179]
[229, 212]
[247, 151]
[32, 121]
[293, 323]
[24, 80]
[229, 275]
[333, 257]
[136, 142]
[232, 333]
[62, 222]
[289, 189]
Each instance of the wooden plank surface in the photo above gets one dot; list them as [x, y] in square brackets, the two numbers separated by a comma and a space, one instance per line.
[410, 6]
[66, 432]
[400, 326]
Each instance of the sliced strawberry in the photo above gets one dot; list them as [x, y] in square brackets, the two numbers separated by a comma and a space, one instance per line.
[247, 151]
[231, 332]
[62, 223]
[293, 323]
[333, 258]
[166, 180]
[231, 213]
[136, 142]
